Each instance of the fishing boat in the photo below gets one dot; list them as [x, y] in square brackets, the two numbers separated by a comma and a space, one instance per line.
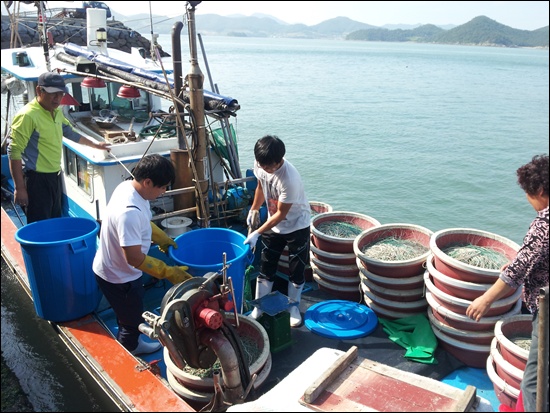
[144, 105]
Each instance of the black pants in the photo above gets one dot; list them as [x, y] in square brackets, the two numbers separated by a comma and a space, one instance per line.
[127, 302]
[298, 254]
[45, 192]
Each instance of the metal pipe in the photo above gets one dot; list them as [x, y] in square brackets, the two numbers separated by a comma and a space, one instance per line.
[178, 76]
[202, 215]
[542, 361]
[196, 99]
[215, 340]
[165, 339]
[174, 213]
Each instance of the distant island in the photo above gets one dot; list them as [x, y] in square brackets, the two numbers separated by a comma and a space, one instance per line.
[480, 31]
[125, 32]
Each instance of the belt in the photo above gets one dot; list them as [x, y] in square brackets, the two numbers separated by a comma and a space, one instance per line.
[31, 172]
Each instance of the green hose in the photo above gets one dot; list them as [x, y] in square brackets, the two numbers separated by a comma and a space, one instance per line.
[161, 131]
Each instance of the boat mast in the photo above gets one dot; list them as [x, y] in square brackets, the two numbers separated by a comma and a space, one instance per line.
[196, 101]
[42, 33]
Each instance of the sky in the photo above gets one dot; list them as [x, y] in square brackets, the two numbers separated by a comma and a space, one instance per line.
[524, 15]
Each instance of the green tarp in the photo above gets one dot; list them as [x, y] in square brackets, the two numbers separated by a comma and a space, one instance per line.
[415, 334]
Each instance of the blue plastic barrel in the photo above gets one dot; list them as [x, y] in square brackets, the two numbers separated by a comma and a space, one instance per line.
[58, 255]
[202, 251]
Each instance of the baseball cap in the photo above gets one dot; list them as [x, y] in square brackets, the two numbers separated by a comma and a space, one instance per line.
[52, 83]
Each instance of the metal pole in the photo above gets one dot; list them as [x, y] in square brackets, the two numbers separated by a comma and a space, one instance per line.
[196, 100]
[42, 34]
[234, 167]
[542, 362]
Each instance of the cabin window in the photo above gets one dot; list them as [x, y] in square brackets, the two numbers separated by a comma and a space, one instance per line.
[137, 108]
[79, 170]
[96, 98]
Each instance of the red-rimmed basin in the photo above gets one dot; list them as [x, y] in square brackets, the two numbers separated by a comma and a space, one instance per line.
[459, 305]
[468, 336]
[392, 293]
[461, 322]
[398, 283]
[332, 243]
[319, 207]
[452, 267]
[387, 313]
[507, 372]
[417, 306]
[342, 271]
[399, 268]
[509, 327]
[506, 394]
[455, 287]
[336, 279]
[351, 293]
[473, 355]
[332, 257]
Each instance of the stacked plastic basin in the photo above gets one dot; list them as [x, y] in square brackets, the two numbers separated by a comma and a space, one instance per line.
[452, 285]
[332, 257]
[392, 279]
[509, 353]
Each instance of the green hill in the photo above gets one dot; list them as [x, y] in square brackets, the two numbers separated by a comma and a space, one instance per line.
[480, 31]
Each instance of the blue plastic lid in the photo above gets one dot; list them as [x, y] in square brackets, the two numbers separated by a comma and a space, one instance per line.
[340, 319]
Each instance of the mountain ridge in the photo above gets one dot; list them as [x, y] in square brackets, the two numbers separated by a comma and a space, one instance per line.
[481, 30]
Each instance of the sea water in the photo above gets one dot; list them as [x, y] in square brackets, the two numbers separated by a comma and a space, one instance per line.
[423, 134]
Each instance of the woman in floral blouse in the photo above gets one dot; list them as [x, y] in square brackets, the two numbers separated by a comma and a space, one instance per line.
[530, 268]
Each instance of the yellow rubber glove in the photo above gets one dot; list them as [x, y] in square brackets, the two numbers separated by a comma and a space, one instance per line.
[158, 269]
[160, 238]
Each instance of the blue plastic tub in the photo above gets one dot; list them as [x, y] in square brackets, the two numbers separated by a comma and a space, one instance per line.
[58, 255]
[202, 251]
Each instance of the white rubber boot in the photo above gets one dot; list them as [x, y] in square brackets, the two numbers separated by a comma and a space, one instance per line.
[263, 287]
[145, 347]
[295, 294]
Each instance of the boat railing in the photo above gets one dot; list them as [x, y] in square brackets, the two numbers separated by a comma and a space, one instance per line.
[219, 205]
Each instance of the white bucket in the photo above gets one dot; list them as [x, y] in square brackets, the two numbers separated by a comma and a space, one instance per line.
[175, 226]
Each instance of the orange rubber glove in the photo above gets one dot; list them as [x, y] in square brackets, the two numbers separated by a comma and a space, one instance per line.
[160, 238]
[158, 269]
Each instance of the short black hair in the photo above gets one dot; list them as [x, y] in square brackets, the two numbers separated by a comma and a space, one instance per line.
[533, 176]
[157, 168]
[269, 150]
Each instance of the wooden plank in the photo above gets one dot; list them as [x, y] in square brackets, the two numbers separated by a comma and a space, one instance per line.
[328, 376]
[467, 400]
[371, 386]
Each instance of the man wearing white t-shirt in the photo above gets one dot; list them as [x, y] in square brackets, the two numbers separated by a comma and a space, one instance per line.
[125, 240]
[288, 224]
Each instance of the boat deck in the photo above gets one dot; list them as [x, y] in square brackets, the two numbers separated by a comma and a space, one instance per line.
[375, 347]
[87, 336]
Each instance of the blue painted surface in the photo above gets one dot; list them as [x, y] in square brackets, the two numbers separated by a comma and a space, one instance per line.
[464, 376]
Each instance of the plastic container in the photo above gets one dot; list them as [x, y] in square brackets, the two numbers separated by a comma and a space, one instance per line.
[442, 239]
[403, 232]
[334, 243]
[202, 251]
[175, 226]
[58, 255]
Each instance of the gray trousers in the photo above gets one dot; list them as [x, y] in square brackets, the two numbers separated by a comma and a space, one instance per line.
[529, 382]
